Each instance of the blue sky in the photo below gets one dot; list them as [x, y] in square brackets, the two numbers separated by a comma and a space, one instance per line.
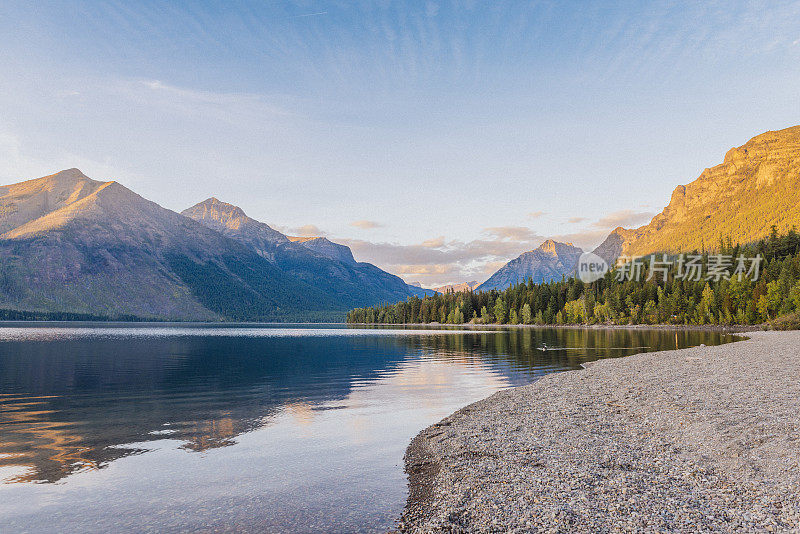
[438, 139]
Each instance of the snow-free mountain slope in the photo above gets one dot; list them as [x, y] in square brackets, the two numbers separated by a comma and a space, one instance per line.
[75, 245]
[755, 187]
[550, 261]
[322, 245]
[318, 262]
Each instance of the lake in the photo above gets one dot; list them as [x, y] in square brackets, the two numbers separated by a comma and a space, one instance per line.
[244, 427]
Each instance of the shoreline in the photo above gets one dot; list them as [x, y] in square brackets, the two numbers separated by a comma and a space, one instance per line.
[468, 326]
[677, 327]
[704, 438]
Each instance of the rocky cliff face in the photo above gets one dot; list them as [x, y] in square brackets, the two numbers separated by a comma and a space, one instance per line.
[550, 261]
[755, 187]
[231, 221]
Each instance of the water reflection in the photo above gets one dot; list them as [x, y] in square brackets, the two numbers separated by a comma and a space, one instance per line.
[77, 400]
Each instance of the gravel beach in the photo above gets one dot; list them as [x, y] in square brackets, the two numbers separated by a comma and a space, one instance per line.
[700, 439]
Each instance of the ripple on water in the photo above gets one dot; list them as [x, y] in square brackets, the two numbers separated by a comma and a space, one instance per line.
[298, 428]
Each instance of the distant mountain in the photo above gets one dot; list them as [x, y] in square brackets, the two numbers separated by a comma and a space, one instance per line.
[755, 187]
[322, 246]
[318, 262]
[550, 261]
[232, 222]
[457, 288]
[75, 245]
[71, 246]
[613, 246]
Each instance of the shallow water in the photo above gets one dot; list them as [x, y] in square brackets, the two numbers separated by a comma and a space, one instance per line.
[301, 428]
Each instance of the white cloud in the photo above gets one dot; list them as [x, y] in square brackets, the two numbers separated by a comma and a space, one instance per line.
[306, 15]
[307, 230]
[208, 97]
[437, 261]
[435, 269]
[436, 242]
[366, 225]
[512, 233]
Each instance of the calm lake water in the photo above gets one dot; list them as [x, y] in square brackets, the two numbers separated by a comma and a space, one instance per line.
[140, 427]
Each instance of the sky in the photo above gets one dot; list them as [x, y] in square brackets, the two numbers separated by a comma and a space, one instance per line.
[437, 139]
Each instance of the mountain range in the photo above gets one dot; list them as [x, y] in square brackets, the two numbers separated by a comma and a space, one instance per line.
[73, 245]
[755, 187]
[320, 263]
[77, 247]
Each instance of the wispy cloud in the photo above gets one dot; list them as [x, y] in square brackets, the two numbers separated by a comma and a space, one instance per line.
[436, 242]
[576, 220]
[229, 107]
[305, 15]
[366, 225]
[535, 214]
[197, 95]
[624, 218]
[512, 233]
[593, 234]
[438, 261]
[307, 230]
[427, 269]
[585, 239]
[431, 9]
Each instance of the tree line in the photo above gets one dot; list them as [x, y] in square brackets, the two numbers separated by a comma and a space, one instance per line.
[667, 299]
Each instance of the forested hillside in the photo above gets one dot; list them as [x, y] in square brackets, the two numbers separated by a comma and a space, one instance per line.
[715, 297]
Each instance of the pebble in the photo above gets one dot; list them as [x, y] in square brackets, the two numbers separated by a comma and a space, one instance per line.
[696, 440]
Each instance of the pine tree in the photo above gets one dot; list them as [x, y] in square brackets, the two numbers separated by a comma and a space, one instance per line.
[525, 316]
[500, 311]
[738, 300]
